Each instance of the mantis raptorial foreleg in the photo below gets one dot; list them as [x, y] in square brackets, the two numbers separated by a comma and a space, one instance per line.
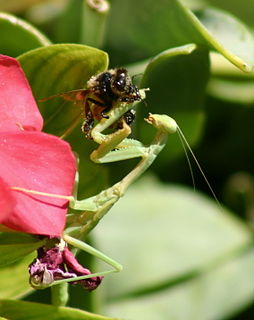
[112, 147]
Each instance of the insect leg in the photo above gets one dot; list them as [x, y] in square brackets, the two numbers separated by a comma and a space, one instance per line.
[107, 107]
[88, 123]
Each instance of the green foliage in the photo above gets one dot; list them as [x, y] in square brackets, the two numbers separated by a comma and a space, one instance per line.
[193, 254]
[184, 256]
[177, 79]
[16, 246]
[15, 278]
[20, 310]
[56, 69]
[17, 36]
[209, 27]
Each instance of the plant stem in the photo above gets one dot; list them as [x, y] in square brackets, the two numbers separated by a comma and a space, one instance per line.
[93, 22]
[59, 294]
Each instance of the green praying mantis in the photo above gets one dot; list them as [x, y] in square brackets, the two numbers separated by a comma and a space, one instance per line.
[115, 146]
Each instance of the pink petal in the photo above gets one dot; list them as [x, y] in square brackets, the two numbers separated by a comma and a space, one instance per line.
[7, 201]
[17, 105]
[40, 162]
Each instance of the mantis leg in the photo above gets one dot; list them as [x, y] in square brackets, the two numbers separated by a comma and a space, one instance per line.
[89, 249]
[126, 149]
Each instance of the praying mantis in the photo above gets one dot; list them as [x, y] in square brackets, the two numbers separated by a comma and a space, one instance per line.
[113, 104]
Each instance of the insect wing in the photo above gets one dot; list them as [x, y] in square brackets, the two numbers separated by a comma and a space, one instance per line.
[73, 95]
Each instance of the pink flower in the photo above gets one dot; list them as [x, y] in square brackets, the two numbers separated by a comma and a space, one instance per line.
[30, 159]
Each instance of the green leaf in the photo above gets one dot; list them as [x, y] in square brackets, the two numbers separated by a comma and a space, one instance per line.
[14, 246]
[166, 237]
[20, 310]
[153, 28]
[232, 91]
[177, 80]
[242, 9]
[229, 83]
[17, 5]
[228, 36]
[57, 69]
[15, 279]
[220, 293]
[18, 36]
[221, 67]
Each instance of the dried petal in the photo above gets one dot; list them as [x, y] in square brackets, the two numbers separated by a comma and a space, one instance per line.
[54, 264]
[73, 266]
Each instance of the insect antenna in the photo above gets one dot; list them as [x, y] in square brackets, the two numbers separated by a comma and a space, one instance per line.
[187, 148]
[184, 145]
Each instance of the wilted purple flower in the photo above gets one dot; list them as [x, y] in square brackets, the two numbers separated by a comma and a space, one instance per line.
[58, 263]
